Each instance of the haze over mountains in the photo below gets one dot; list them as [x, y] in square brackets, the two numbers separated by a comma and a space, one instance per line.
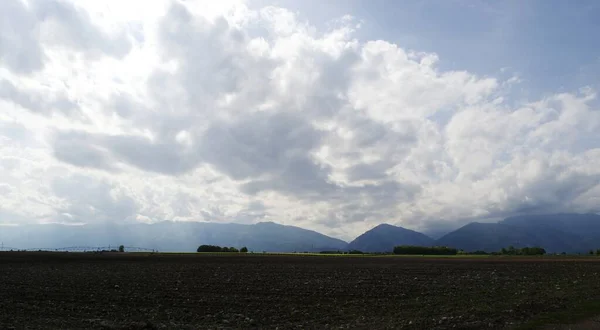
[555, 232]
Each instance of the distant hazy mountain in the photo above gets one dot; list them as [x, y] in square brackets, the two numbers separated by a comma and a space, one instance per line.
[554, 232]
[586, 226]
[172, 236]
[492, 237]
[435, 233]
[384, 237]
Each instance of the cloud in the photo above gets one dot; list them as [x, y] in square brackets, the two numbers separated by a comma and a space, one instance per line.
[30, 28]
[86, 199]
[10, 218]
[74, 148]
[14, 131]
[38, 102]
[20, 50]
[71, 27]
[222, 112]
[260, 144]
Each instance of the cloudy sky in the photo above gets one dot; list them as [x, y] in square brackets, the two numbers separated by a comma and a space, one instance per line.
[329, 115]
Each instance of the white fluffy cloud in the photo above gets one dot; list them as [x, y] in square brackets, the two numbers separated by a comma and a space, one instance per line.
[222, 112]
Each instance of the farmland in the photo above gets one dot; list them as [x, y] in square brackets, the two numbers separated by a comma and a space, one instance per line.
[191, 291]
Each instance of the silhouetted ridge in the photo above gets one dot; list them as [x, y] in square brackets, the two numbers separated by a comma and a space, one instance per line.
[385, 237]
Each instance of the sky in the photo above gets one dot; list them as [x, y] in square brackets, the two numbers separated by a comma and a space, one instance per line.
[334, 116]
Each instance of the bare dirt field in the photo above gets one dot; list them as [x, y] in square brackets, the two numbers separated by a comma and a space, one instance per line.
[193, 291]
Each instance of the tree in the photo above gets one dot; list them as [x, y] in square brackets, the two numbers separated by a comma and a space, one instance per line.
[216, 248]
[355, 252]
[209, 248]
[591, 252]
[598, 252]
[511, 250]
[423, 250]
[121, 248]
[525, 251]
[244, 250]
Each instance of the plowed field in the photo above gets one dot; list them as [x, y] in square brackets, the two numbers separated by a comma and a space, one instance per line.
[195, 291]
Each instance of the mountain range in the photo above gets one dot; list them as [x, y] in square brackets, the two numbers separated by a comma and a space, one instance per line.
[168, 236]
[566, 232]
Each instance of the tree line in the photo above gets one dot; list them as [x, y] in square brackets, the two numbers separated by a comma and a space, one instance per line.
[406, 250]
[525, 251]
[444, 250]
[216, 248]
[341, 252]
[424, 250]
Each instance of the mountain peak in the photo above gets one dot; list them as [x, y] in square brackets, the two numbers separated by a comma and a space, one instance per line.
[384, 237]
[385, 226]
[268, 223]
[554, 232]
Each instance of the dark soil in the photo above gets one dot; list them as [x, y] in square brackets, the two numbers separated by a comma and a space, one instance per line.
[168, 291]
